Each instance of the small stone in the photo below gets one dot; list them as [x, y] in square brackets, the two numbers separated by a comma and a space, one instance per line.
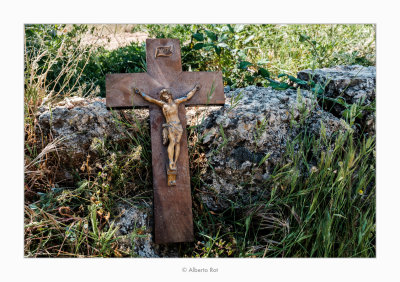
[284, 99]
[135, 232]
[258, 176]
[245, 165]
[265, 176]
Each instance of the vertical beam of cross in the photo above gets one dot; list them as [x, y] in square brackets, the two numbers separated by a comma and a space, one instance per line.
[173, 220]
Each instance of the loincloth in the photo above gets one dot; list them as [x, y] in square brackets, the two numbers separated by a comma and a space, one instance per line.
[174, 128]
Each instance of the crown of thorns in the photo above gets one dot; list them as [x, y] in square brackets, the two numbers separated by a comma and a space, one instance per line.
[165, 91]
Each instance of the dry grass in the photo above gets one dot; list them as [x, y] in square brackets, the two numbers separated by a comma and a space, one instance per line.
[327, 213]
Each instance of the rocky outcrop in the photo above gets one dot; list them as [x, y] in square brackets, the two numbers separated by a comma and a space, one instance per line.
[241, 142]
[80, 122]
[353, 84]
[247, 138]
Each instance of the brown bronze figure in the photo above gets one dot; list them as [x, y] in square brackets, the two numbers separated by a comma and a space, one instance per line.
[172, 129]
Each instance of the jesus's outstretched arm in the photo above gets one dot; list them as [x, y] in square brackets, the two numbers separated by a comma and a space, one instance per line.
[148, 98]
[189, 95]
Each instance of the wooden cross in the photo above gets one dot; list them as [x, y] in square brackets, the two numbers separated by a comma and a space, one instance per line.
[172, 204]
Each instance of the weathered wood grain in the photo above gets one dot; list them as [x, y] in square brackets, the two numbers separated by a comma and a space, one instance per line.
[173, 220]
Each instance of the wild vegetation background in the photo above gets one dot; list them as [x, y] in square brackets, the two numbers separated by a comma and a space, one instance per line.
[331, 213]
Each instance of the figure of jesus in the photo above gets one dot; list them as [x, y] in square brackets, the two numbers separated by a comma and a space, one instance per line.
[172, 129]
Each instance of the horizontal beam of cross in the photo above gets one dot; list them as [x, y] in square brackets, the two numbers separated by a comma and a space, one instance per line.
[120, 94]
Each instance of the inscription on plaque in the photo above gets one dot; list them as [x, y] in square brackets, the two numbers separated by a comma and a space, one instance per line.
[164, 51]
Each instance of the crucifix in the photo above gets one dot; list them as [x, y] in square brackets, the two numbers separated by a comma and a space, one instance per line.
[166, 90]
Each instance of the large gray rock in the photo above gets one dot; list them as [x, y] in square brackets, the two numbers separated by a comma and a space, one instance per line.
[353, 83]
[239, 136]
[80, 121]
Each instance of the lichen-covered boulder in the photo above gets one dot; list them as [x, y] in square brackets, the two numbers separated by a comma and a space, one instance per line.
[353, 83]
[247, 138]
[79, 122]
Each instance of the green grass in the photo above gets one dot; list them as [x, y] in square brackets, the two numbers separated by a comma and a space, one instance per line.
[319, 203]
[248, 54]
